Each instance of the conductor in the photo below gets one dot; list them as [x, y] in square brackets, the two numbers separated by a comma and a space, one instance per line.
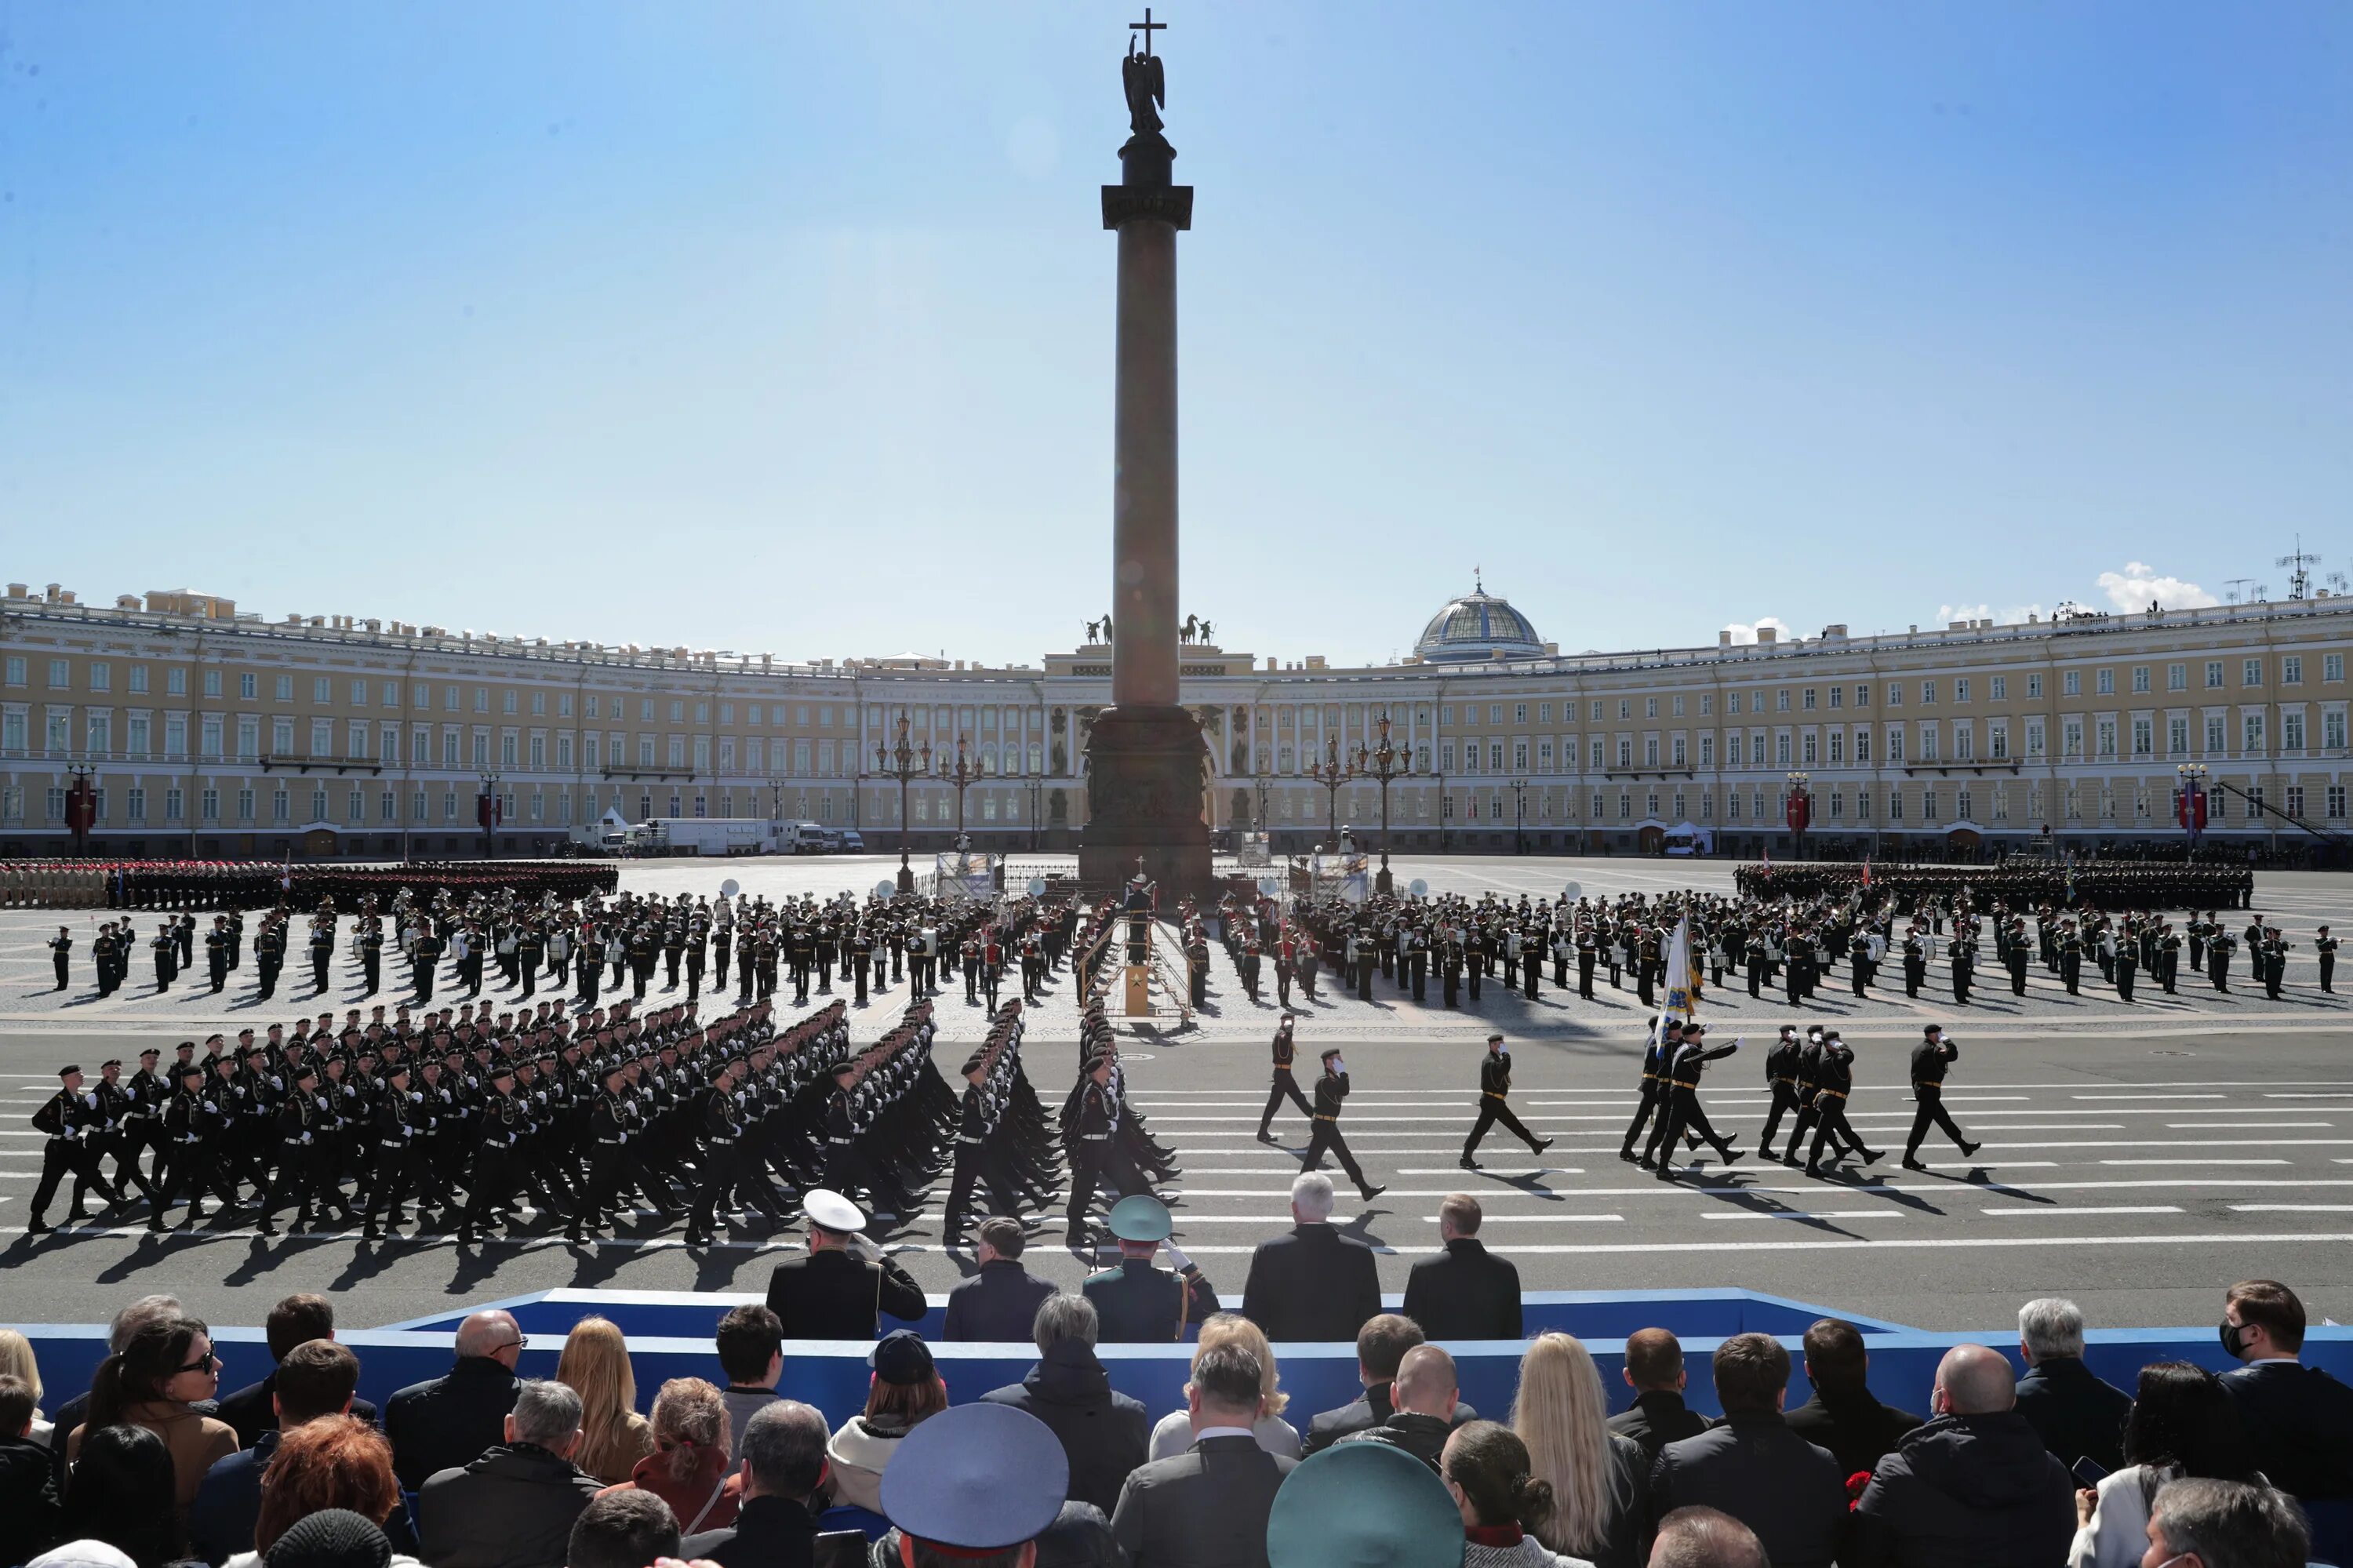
[840, 1289]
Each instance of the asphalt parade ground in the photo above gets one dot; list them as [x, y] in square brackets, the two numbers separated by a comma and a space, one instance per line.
[2139, 1158]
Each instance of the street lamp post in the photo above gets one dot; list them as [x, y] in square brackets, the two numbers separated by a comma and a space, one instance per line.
[1440, 779]
[1036, 782]
[1263, 782]
[1519, 816]
[487, 811]
[2189, 806]
[81, 805]
[1380, 763]
[1799, 814]
[906, 764]
[1331, 773]
[965, 774]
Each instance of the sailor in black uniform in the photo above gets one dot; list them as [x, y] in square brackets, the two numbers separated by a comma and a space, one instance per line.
[1495, 1104]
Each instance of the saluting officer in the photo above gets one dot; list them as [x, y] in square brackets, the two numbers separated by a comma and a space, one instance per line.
[1284, 1083]
[1330, 1090]
[61, 952]
[1495, 1104]
[1137, 1303]
[2324, 945]
[1929, 1060]
[839, 1289]
[1781, 1082]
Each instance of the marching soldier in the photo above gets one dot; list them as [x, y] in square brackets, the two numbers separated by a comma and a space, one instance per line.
[1682, 1113]
[70, 1116]
[61, 953]
[1830, 1127]
[1096, 1154]
[1781, 1082]
[1330, 1090]
[297, 1122]
[1137, 1303]
[492, 1179]
[1654, 1069]
[1495, 1105]
[192, 1127]
[1283, 1084]
[1930, 1058]
[1963, 959]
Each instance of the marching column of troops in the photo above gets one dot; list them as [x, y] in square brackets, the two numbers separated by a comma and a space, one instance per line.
[257, 884]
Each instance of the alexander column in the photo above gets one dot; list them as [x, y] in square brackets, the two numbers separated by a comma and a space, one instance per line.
[1146, 764]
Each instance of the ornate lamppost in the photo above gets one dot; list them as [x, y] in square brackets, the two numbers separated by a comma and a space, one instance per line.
[1383, 763]
[1036, 780]
[1331, 773]
[965, 774]
[1519, 801]
[1799, 814]
[2190, 805]
[906, 764]
[487, 812]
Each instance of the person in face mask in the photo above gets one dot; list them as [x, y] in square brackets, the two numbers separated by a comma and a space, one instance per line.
[2298, 1419]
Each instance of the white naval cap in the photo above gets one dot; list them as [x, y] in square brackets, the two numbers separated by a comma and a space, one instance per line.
[832, 1211]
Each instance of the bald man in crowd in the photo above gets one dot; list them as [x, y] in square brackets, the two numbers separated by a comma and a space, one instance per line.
[1705, 1538]
[448, 1421]
[1973, 1485]
[1423, 1397]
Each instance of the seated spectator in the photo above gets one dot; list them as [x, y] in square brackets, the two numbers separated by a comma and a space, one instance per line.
[315, 1379]
[330, 1462]
[1485, 1468]
[17, 1361]
[1599, 1481]
[1381, 1344]
[1365, 1504]
[122, 1494]
[513, 1507]
[1173, 1433]
[118, 1334]
[689, 1468]
[296, 1320]
[2183, 1422]
[1103, 1433]
[2077, 1415]
[976, 1486]
[1313, 1284]
[1465, 1292]
[29, 1510]
[154, 1382]
[595, 1364]
[334, 1538]
[1426, 1393]
[1705, 1538]
[1654, 1371]
[781, 1456]
[448, 1421]
[2198, 1523]
[906, 1390]
[1001, 1301]
[623, 1528]
[1208, 1505]
[1752, 1467]
[752, 1353]
[1843, 1415]
[1973, 1486]
[2298, 1419]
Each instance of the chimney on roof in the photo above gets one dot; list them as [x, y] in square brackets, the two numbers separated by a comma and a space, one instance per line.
[1767, 634]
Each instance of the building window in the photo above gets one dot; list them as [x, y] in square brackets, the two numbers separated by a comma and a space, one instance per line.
[2332, 667]
[2251, 673]
[2144, 738]
[1806, 699]
[2296, 799]
[2071, 684]
[2033, 686]
[2336, 802]
[1894, 694]
[2214, 735]
[2332, 729]
[2291, 670]
[2176, 677]
[2106, 683]
[1961, 691]
[1927, 692]
[2177, 737]
[2213, 674]
[2252, 733]
[2291, 731]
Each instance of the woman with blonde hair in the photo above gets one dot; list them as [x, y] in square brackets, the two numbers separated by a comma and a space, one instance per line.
[16, 1360]
[689, 1468]
[595, 1366]
[1599, 1481]
[1173, 1434]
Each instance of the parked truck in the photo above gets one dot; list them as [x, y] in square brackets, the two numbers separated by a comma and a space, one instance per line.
[705, 836]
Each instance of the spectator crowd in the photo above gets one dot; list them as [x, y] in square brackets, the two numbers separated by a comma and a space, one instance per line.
[155, 1465]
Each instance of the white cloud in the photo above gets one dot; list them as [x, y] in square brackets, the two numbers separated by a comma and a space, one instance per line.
[1748, 633]
[2013, 615]
[2139, 584]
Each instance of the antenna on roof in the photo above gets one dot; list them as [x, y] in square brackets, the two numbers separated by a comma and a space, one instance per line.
[2300, 579]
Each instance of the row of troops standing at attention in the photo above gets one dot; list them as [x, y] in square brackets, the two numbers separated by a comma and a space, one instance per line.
[256, 885]
[594, 1117]
[1785, 944]
[508, 940]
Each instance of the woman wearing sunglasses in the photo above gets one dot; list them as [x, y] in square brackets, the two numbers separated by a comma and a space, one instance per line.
[154, 1382]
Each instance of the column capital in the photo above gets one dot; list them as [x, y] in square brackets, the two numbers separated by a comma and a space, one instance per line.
[1166, 203]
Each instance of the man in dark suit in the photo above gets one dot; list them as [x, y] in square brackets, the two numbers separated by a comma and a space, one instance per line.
[296, 1320]
[450, 1421]
[1313, 1284]
[1654, 1370]
[1382, 1345]
[1844, 1416]
[2076, 1415]
[1466, 1292]
[1208, 1506]
[1137, 1303]
[2299, 1420]
[1001, 1301]
[1426, 1393]
[1753, 1466]
[781, 1454]
[840, 1288]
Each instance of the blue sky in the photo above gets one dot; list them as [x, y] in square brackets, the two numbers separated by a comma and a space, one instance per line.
[787, 327]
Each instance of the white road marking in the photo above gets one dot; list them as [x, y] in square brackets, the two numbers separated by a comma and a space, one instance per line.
[2036, 1212]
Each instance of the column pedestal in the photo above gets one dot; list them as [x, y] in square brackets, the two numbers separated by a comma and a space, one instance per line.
[1144, 772]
